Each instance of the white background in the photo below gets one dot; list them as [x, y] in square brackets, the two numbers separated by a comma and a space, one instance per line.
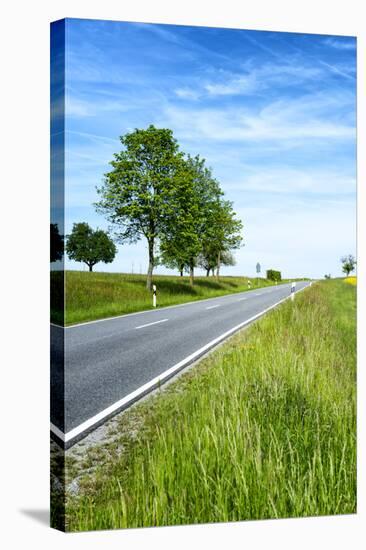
[24, 302]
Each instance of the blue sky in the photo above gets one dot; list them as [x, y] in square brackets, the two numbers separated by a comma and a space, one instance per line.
[272, 113]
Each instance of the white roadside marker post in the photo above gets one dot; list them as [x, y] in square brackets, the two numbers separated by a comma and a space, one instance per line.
[293, 287]
[154, 295]
[249, 284]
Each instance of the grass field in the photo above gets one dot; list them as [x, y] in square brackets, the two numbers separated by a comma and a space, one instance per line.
[263, 427]
[92, 296]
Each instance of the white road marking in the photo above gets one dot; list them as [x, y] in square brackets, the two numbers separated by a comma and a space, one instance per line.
[212, 307]
[241, 299]
[155, 382]
[149, 324]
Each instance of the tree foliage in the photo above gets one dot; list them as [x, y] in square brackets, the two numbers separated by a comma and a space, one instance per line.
[348, 264]
[156, 192]
[89, 246]
[180, 242]
[224, 233]
[203, 226]
[191, 223]
[273, 275]
[56, 243]
[208, 260]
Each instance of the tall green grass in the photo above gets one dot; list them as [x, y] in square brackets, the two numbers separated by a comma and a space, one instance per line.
[97, 295]
[264, 427]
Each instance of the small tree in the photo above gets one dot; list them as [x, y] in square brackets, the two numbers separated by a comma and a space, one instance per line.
[56, 243]
[221, 232]
[327, 276]
[227, 258]
[89, 246]
[273, 275]
[348, 264]
[207, 261]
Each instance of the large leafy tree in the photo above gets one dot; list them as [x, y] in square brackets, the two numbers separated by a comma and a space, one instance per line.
[89, 246]
[348, 264]
[136, 193]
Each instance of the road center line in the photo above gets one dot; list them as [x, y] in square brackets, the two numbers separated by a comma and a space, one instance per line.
[149, 324]
[212, 307]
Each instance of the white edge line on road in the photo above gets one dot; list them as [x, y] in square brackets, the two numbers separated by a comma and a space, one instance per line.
[163, 308]
[241, 299]
[212, 307]
[155, 381]
[154, 323]
[57, 432]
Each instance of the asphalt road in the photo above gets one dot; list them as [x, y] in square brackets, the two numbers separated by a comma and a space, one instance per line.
[98, 368]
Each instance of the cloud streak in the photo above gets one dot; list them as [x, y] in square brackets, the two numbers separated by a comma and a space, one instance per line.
[281, 121]
[345, 43]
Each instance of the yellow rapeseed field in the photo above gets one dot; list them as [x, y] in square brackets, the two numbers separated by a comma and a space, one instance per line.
[351, 280]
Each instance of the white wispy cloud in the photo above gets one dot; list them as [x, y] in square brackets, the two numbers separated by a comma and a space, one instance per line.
[245, 84]
[336, 70]
[345, 43]
[262, 78]
[279, 121]
[81, 108]
[254, 79]
[187, 93]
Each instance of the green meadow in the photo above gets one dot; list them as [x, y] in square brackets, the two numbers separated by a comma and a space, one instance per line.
[262, 427]
[91, 296]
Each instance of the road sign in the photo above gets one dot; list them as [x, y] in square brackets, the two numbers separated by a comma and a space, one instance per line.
[258, 267]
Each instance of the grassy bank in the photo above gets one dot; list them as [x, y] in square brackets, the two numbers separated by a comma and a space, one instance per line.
[264, 427]
[92, 296]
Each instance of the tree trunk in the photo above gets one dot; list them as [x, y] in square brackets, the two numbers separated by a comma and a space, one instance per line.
[90, 267]
[181, 268]
[191, 273]
[151, 265]
[208, 272]
[218, 265]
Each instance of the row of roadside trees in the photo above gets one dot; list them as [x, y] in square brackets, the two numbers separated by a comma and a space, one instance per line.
[171, 200]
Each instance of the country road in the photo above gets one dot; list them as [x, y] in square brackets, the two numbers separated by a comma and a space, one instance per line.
[110, 363]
